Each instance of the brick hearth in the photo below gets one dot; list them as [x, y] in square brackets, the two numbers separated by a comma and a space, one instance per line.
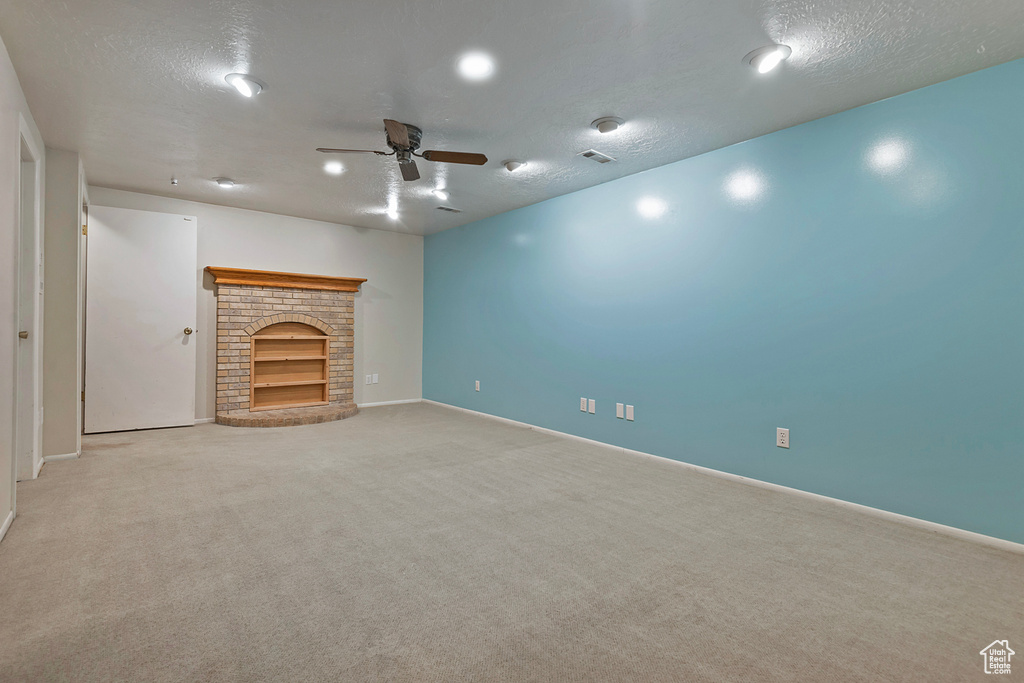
[248, 301]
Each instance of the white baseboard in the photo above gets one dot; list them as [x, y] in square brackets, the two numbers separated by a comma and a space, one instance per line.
[38, 466]
[205, 420]
[962, 534]
[389, 403]
[7, 524]
[62, 456]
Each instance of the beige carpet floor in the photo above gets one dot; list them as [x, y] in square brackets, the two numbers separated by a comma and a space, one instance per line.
[419, 543]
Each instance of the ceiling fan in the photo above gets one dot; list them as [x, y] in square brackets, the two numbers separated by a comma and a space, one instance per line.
[404, 140]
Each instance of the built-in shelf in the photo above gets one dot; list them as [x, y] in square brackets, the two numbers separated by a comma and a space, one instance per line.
[288, 367]
[260, 385]
[308, 404]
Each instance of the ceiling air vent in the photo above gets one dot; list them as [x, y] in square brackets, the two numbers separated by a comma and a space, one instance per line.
[596, 156]
[449, 209]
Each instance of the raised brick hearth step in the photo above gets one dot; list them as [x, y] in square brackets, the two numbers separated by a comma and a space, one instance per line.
[287, 417]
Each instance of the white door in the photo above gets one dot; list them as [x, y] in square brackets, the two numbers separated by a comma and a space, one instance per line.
[140, 352]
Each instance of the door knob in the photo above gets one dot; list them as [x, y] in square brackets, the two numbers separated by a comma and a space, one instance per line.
[23, 334]
[188, 330]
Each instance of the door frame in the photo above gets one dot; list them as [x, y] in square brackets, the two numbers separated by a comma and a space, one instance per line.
[83, 256]
[28, 443]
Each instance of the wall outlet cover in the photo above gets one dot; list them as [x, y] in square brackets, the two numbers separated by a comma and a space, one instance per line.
[782, 437]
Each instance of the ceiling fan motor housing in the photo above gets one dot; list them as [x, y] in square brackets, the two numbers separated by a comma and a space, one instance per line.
[415, 134]
[404, 140]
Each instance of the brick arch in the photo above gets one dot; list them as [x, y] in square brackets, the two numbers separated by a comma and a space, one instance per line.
[258, 325]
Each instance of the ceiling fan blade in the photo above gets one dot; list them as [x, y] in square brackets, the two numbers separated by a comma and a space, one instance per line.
[455, 157]
[331, 150]
[397, 132]
[409, 170]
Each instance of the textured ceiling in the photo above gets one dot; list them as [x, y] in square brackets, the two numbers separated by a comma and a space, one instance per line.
[137, 86]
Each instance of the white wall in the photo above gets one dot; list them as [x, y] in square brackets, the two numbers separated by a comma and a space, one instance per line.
[62, 427]
[389, 305]
[13, 112]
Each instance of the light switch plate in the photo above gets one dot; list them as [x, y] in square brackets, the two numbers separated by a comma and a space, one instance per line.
[376, 378]
[782, 437]
[478, 385]
[583, 405]
[369, 379]
[629, 413]
[619, 410]
[592, 408]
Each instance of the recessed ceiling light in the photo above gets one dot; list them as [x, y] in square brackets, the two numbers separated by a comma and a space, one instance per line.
[334, 167]
[226, 183]
[476, 66]
[245, 84]
[607, 124]
[766, 58]
[512, 164]
[441, 194]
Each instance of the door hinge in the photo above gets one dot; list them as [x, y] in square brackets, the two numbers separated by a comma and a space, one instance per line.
[85, 230]
[83, 395]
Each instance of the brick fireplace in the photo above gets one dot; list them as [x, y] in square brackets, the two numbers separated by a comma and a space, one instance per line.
[284, 347]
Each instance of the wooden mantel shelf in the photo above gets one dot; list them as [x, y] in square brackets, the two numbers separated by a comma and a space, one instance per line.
[268, 278]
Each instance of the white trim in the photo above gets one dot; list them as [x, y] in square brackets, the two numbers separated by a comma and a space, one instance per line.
[390, 403]
[205, 420]
[529, 426]
[82, 241]
[62, 456]
[33, 401]
[26, 132]
[7, 524]
[963, 534]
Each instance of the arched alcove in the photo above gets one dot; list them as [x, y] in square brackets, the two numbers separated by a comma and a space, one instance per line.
[289, 366]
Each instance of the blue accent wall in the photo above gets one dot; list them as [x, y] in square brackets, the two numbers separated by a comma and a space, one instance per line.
[858, 279]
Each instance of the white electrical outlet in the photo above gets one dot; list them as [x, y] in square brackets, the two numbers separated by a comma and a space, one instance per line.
[583, 405]
[782, 437]
[478, 385]
[369, 379]
[629, 413]
[592, 406]
[618, 410]
[376, 378]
